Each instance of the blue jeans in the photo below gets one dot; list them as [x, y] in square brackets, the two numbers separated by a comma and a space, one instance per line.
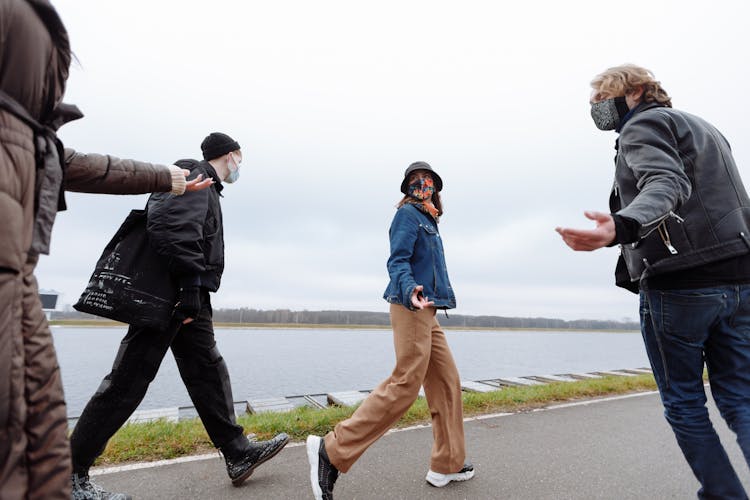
[682, 330]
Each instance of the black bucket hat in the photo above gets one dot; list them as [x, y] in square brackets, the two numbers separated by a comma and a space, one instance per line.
[420, 165]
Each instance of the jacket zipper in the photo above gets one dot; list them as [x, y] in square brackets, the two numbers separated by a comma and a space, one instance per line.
[665, 238]
[668, 214]
[662, 228]
[657, 222]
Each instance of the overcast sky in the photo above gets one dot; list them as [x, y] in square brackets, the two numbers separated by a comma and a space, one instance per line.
[331, 101]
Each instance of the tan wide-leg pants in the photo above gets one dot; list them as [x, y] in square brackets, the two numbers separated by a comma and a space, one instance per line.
[423, 358]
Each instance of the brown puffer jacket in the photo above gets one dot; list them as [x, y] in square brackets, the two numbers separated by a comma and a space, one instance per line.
[34, 59]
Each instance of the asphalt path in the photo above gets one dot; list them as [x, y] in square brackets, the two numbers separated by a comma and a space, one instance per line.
[615, 448]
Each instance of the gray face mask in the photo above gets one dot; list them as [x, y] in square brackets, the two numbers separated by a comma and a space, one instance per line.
[234, 173]
[608, 114]
[232, 177]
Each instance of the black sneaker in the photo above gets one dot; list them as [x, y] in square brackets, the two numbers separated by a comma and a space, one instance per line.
[85, 489]
[439, 480]
[241, 467]
[323, 474]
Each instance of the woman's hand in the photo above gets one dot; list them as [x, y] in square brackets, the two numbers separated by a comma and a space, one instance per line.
[418, 300]
[198, 183]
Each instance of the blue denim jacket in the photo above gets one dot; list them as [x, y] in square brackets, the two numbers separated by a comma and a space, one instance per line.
[417, 259]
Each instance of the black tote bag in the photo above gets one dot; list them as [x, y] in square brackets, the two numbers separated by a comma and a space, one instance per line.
[131, 282]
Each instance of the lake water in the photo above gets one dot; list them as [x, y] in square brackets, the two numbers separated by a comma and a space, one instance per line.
[287, 362]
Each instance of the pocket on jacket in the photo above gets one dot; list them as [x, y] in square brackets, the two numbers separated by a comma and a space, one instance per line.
[429, 229]
[14, 234]
[431, 235]
[211, 226]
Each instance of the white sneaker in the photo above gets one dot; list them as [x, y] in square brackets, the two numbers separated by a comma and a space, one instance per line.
[439, 480]
[323, 473]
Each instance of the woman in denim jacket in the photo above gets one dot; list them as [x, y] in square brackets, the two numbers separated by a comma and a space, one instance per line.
[419, 286]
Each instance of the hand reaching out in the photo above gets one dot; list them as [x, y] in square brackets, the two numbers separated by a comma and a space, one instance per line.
[198, 183]
[590, 239]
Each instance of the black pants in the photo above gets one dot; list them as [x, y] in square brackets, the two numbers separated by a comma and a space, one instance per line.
[201, 367]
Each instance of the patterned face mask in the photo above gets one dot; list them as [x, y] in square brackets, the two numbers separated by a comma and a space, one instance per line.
[608, 113]
[422, 189]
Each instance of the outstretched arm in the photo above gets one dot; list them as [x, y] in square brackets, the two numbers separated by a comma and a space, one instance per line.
[95, 173]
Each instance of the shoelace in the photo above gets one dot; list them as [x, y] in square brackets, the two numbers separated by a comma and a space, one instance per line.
[94, 488]
[88, 486]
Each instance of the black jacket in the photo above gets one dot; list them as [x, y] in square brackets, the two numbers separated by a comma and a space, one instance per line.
[676, 177]
[188, 230]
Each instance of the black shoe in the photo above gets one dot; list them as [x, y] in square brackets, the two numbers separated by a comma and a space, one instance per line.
[85, 489]
[240, 467]
[323, 473]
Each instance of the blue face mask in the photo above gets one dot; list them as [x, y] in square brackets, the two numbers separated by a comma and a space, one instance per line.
[234, 170]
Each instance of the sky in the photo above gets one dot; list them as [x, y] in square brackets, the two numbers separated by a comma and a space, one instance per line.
[332, 100]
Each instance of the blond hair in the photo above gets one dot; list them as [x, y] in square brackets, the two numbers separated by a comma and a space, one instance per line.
[627, 78]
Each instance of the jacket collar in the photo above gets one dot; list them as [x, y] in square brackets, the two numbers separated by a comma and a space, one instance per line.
[422, 212]
[640, 107]
[210, 170]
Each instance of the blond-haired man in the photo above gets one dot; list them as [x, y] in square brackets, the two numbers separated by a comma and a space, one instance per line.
[681, 215]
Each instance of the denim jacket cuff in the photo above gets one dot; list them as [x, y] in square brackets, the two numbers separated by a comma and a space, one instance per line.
[406, 299]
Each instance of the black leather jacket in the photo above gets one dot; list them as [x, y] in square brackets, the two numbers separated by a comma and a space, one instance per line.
[675, 175]
[188, 230]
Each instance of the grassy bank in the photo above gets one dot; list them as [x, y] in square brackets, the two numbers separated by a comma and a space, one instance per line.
[163, 440]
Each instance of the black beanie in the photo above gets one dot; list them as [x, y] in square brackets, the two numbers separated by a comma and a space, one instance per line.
[218, 144]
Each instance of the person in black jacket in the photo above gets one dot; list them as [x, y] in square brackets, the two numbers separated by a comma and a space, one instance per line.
[681, 215]
[187, 231]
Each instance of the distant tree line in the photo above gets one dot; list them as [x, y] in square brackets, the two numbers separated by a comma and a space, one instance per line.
[286, 316]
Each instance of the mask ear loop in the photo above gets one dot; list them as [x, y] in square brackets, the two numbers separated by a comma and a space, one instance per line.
[230, 160]
[622, 106]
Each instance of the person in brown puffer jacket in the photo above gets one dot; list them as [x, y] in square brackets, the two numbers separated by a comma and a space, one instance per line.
[34, 60]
